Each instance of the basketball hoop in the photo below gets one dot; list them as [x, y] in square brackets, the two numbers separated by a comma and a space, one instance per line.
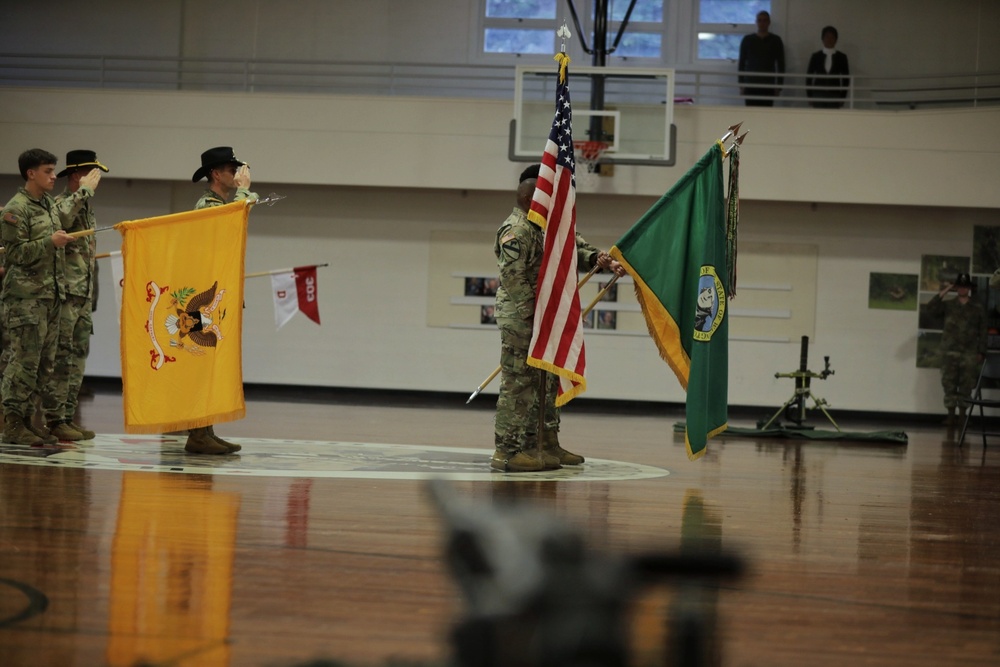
[588, 154]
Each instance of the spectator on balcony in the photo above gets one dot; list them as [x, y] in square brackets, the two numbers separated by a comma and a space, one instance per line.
[828, 92]
[761, 51]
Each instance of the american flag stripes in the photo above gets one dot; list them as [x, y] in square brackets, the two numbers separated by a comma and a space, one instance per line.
[557, 337]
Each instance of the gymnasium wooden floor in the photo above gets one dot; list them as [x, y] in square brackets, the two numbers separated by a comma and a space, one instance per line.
[124, 552]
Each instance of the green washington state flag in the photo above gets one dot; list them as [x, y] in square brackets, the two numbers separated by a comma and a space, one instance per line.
[676, 253]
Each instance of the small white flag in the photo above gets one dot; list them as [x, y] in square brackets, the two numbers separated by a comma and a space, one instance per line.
[295, 291]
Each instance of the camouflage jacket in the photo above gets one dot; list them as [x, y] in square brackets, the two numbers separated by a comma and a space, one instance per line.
[211, 198]
[35, 267]
[519, 247]
[80, 253]
[964, 324]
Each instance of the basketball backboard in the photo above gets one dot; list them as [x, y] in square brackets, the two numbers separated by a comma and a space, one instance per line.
[629, 108]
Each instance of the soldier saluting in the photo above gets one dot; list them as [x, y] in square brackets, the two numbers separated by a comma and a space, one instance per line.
[963, 343]
[225, 174]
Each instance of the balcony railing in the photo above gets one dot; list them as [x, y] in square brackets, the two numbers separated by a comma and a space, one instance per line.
[442, 80]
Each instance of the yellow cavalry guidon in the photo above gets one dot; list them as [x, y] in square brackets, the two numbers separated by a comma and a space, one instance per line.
[182, 319]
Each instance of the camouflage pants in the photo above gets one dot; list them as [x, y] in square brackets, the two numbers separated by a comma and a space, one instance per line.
[516, 423]
[60, 395]
[31, 327]
[959, 372]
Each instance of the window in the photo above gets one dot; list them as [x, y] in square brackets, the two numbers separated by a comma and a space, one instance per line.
[529, 26]
[643, 38]
[519, 26]
[722, 25]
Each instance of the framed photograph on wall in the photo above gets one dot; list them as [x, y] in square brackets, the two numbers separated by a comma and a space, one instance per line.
[892, 291]
[935, 270]
[607, 319]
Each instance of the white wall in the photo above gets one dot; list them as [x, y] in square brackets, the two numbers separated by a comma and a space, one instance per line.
[937, 157]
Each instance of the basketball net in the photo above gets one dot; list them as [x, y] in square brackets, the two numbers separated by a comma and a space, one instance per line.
[588, 154]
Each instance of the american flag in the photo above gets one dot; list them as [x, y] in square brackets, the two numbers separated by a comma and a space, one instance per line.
[557, 338]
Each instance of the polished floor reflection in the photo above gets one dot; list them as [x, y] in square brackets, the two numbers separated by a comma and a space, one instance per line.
[857, 553]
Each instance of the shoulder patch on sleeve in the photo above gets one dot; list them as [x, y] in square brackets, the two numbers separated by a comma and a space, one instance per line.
[10, 217]
[511, 247]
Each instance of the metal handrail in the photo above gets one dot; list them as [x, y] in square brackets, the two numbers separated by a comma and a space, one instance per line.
[700, 86]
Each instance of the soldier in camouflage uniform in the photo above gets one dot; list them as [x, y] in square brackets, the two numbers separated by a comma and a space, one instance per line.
[60, 396]
[519, 248]
[963, 343]
[225, 174]
[34, 237]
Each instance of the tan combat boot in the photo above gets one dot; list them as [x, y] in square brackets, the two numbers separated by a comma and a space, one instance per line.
[517, 462]
[43, 433]
[64, 431]
[85, 432]
[16, 433]
[550, 445]
[549, 461]
[231, 446]
[200, 442]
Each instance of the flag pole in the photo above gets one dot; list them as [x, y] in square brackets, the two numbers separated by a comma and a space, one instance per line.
[90, 232]
[275, 272]
[268, 201]
[259, 274]
[585, 312]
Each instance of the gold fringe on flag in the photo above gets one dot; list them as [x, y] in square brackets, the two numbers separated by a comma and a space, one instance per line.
[732, 217]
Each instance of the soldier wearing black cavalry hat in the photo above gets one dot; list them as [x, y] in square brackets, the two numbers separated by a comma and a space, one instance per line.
[60, 396]
[225, 174]
[963, 342]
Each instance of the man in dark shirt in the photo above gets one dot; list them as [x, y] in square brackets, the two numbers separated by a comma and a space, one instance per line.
[761, 51]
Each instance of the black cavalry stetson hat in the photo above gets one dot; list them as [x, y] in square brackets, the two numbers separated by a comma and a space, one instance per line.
[214, 157]
[80, 158]
[964, 280]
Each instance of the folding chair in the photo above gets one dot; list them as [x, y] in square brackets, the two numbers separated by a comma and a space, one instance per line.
[989, 378]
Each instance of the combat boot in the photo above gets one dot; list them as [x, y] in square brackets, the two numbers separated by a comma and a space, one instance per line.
[64, 431]
[231, 446]
[86, 432]
[549, 462]
[43, 433]
[200, 442]
[517, 462]
[16, 433]
[550, 445]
